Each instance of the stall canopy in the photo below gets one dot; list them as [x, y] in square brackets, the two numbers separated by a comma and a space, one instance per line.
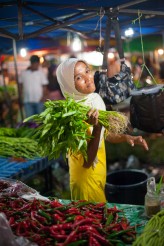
[53, 19]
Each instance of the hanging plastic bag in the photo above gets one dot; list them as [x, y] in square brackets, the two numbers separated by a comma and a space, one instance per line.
[147, 109]
[116, 89]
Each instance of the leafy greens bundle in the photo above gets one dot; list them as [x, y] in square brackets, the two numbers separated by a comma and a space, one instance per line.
[63, 127]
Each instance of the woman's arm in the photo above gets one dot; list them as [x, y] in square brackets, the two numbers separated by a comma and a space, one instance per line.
[93, 144]
[132, 140]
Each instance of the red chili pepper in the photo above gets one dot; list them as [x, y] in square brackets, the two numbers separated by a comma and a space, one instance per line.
[91, 241]
[36, 225]
[35, 237]
[131, 234]
[95, 242]
[87, 228]
[11, 221]
[65, 226]
[60, 213]
[57, 218]
[114, 209]
[113, 227]
[73, 211]
[101, 239]
[20, 228]
[62, 232]
[58, 236]
[84, 221]
[37, 217]
[56, 204]
[79, 217]
[89, 214]
[70, 238]
[124, 223]
[25, 207]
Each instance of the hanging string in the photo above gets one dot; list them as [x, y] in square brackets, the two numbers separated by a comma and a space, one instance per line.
[142, 48]
[102, 13]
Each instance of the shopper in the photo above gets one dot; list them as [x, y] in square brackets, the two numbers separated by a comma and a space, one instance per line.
[33, 85]
[88, 178]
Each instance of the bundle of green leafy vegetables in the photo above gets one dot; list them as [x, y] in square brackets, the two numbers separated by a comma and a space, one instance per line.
[63, 127]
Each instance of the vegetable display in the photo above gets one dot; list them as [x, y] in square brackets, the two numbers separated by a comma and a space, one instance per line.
[18, 147]
[18, 143]
[77, 223]
[63, 127]
[153, 232]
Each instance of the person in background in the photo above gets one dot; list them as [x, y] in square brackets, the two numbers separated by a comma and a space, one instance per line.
[54, 92]
[88, 177]
[33, 87]
[137, 69]
[113, 65]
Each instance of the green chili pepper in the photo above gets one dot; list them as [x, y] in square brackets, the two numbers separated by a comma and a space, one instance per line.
[109, 219]
[44, 214]
[80, 242]
[114, 234]
[71, 218]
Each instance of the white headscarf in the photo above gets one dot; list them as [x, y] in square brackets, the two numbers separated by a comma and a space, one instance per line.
[65, 77]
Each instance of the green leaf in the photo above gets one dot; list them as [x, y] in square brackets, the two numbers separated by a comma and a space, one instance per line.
[68, 114]
[46, 129]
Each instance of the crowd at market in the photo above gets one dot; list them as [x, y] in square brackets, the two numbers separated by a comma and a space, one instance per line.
[47, 86]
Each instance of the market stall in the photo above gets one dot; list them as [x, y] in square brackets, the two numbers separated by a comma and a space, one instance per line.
[30, 219]
[62, 222]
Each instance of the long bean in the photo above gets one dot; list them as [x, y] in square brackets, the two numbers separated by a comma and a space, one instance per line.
[153, 232]
[19, 147]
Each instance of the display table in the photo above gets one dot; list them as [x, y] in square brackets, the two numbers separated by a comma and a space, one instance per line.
[24, 170]
[51, 221]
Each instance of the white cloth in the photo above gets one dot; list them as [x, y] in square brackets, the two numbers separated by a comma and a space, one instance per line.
[65, 77]
[32, 82]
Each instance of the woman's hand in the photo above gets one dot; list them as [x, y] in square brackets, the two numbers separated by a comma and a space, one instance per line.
[132, 140]
[93, 115]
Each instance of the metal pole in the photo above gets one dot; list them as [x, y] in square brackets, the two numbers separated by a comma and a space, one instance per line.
[20, 19]
[16, 73]
[131, 3]
[59, 26]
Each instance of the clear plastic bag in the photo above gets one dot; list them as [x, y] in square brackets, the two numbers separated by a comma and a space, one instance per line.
[13, 187]
[7, 238]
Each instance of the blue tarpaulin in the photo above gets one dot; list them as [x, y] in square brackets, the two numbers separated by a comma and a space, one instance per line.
[40, 21]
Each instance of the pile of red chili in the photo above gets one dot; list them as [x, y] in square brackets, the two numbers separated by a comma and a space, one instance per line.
[77, 223]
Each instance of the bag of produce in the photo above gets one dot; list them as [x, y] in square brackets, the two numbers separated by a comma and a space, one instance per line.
[147, 109]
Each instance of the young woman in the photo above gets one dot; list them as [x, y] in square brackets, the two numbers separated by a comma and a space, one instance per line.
[88, 178]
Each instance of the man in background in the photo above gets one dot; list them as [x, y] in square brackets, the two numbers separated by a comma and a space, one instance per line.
[33, 86]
